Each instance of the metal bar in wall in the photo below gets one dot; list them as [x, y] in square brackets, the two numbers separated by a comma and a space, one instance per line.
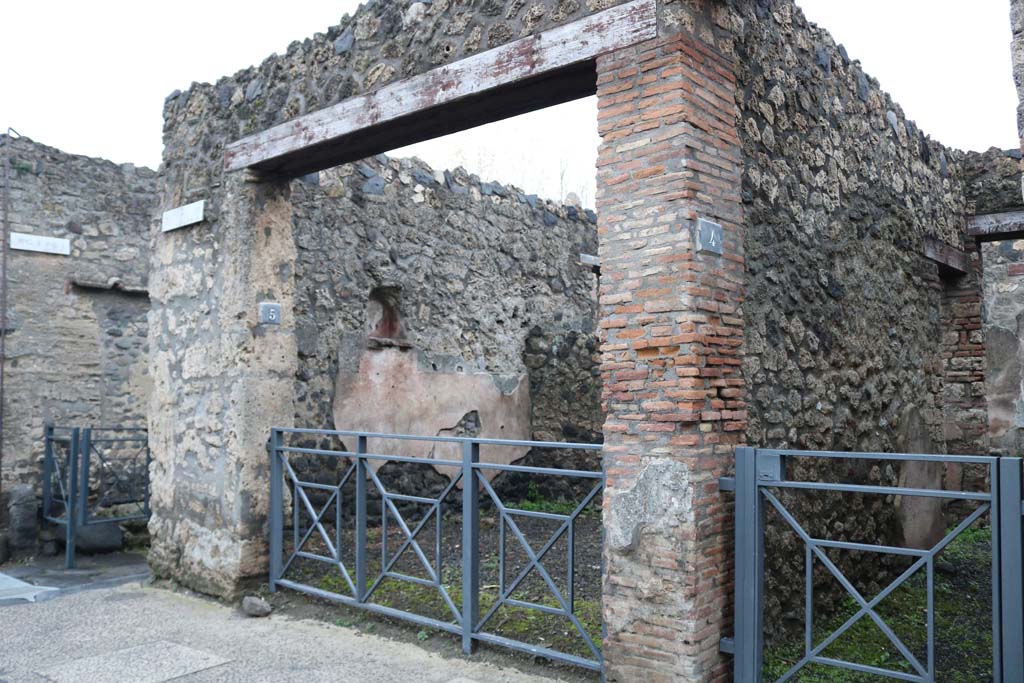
[85, 455]
[71, 509]
[470, 544]
[47, 469]
[1011, 566]
[276, 509]
[749, 554]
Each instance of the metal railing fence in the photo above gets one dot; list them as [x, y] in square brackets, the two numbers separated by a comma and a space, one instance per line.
[762, 473]
[87, 470]
[357, 583]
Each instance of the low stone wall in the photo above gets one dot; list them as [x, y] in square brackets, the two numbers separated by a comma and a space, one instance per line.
[77, 347]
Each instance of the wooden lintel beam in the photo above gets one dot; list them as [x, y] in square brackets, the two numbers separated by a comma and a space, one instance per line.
[566, 51]
[947, 256]
[993, 227]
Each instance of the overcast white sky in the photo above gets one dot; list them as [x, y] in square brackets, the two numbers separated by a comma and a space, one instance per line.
[91, 77]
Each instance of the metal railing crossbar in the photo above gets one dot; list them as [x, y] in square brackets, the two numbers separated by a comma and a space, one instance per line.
[469, 473]
[535, 563]
[878, 490]
[558, 445]
[902, 457]
[421, 525]
[866, 608]
[311, 510]
[410, 541]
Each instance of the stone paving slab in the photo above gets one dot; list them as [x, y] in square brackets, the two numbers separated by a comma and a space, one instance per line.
[12, 589]
[85, 636]
[151, 663]
[92, 571]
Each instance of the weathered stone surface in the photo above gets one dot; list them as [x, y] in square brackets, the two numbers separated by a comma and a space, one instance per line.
[76, 353]
[391, 393]
[99, 538]
[254, 606]
[22, 517]
[468, 276]
[221, 381]
[1004, 343]
[655, 505]
[1017, 55]
[921, 519]
[993, 180]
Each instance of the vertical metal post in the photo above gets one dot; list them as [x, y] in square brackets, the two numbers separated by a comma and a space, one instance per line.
[276, 509]
[85, 455]
[749, 569]
[361, 519]
[71, 506]
[47, 470]
[470, 544]
[1011, 559]
[146, 494]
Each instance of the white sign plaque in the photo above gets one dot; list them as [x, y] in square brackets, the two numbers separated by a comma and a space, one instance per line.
[44, 245]
[183, 216]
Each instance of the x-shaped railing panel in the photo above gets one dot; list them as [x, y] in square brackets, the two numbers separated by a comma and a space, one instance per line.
[299, 491]
[506, 517]
[867, 608]
[388, 564]
[124, 470]
[467, 474]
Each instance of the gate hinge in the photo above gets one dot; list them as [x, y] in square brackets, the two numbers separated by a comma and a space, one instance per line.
[727, 646]
[727, 483]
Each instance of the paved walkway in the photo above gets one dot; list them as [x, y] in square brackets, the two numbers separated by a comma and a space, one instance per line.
[91, 571]
[149, 635]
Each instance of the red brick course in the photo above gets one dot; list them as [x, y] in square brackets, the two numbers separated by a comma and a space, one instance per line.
[965, 407]
[671, 332]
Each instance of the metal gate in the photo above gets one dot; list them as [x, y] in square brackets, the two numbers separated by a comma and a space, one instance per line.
[87, 471]
[330, 528]
[762, 473]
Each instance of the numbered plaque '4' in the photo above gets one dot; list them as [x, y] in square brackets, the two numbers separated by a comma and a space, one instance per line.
[709, 237]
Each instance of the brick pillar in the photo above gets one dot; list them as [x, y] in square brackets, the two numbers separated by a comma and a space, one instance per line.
[671, 331]
[965, 411]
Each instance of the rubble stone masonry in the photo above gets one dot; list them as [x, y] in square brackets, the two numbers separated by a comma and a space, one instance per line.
[76, 349]
[822, 325]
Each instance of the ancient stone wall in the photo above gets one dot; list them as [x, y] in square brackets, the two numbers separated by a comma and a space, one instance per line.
[473, 270]
[846, 344]
[993, 187]
[76, 347]
[226, 378]
[1004, 340]
[1017, 51]
[840, 188]
[821, 320]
